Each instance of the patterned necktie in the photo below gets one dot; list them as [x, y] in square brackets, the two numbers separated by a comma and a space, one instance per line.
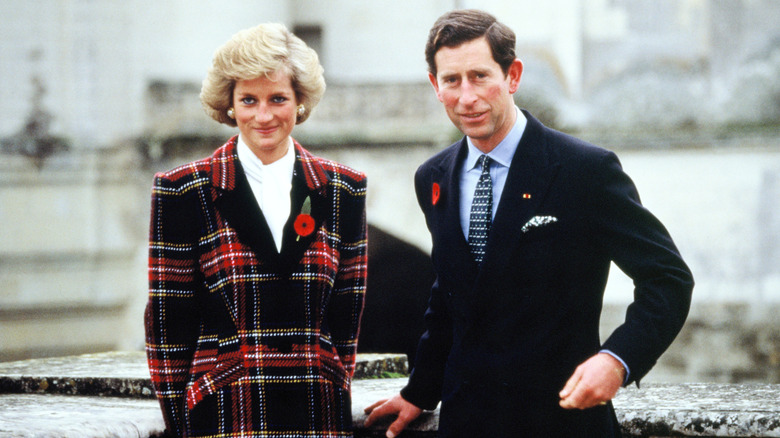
[481, 211]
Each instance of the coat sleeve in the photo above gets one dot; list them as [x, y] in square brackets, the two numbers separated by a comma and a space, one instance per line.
[170, 318]
[424, 388]
[346, 303]
[642, 248]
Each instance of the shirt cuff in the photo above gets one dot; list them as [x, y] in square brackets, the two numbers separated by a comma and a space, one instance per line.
[628, 371]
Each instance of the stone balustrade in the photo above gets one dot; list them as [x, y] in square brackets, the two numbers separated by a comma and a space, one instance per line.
[109, 395]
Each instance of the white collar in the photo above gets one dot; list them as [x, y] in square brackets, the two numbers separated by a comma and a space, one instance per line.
[280, 170]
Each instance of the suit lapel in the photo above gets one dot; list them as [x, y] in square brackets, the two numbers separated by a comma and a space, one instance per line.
[531, 173]
[446, 218]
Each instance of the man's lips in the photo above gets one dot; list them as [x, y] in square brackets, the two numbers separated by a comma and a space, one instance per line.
[472, 117]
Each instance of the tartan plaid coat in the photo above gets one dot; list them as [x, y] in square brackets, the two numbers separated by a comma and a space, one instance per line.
[243, 340]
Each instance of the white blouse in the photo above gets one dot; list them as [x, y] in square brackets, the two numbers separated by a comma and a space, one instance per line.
[271, 185]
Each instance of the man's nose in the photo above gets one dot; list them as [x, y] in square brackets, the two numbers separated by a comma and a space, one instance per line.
[468, 94]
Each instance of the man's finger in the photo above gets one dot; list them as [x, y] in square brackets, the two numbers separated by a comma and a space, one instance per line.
[374, 406]
[576, 399]
[571, 383]
[599, 380]
[376, 411]
[396, 405]
[398, 426]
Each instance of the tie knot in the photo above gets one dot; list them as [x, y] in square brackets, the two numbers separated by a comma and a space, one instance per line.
[484, 163]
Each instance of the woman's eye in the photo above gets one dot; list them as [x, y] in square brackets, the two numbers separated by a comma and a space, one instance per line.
[279, 99]
[247, 101]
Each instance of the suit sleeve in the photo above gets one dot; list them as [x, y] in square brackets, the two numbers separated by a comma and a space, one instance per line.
[170, 318]
[642, 248]
[346, 304]
[424, 388]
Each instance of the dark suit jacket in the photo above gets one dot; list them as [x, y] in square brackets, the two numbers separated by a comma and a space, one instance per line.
[240, 337]
[502, 340]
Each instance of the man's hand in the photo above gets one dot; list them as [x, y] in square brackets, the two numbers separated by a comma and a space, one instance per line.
[594, 382]
[396, 405]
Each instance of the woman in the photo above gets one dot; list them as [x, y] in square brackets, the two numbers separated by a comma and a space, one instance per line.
[257, 260]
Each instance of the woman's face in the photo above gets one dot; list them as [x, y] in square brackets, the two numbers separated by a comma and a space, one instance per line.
[265, 111]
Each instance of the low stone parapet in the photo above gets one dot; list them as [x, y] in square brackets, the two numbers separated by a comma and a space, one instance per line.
[68, 416]
[125, 374]
[109, 395]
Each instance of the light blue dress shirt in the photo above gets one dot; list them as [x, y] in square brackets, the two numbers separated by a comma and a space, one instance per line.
[499, 169]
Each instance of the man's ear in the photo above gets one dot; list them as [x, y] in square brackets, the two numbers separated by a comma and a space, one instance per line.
[514, 74]
[435, 83]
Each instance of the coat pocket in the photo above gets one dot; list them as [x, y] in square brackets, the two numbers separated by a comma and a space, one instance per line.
[332, 368]
[229, 369]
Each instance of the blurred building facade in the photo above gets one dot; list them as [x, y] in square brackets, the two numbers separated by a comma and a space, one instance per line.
[97, 95]
[658, 61]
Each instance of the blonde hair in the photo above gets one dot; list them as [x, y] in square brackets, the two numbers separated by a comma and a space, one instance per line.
[262, 50]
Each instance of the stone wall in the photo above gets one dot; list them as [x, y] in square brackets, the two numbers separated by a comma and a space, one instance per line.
[73, 247]
[109, 395]
[71, 253]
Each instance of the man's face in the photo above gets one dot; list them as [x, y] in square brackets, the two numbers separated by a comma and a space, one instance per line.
[475, 92]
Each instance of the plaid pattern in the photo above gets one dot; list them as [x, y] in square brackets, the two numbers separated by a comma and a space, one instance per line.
[242, 340]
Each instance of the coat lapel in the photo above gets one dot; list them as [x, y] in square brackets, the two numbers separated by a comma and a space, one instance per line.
[236, 202]
[531, 173]
[446, 217]
[238, 205]
[309, 180]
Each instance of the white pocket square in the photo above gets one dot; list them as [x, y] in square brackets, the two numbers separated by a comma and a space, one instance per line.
[538, 221]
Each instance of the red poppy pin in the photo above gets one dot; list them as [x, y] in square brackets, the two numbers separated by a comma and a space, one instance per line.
[436, 193]
[304, 223]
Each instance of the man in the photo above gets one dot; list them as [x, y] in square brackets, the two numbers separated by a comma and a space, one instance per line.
[522, 244]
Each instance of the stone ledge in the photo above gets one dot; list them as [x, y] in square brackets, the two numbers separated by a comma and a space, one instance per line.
[657, 410]
[64, 416]
[700, 409]
[125, 374]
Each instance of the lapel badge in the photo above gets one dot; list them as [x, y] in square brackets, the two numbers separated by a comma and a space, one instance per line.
[304, 223]
[526, 196]
[435, 193]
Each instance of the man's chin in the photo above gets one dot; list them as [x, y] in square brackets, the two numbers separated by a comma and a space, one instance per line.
[476, 133]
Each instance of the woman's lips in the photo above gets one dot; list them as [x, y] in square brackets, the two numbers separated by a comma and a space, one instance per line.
[265, 131]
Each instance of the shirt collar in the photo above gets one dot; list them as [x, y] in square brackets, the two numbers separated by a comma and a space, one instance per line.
[279, 170]
[503, 153]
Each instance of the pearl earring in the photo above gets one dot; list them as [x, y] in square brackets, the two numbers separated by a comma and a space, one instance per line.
[231, 113]
[301, 110]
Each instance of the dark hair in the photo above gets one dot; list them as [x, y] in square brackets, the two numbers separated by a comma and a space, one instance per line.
[457, 27]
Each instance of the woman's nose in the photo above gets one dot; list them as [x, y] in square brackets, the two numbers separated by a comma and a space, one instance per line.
[263, 113]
